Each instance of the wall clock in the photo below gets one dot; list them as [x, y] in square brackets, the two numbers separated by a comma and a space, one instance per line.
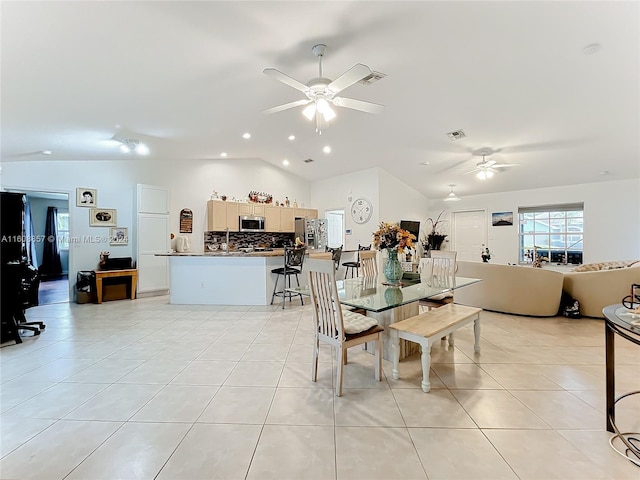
[361, 210]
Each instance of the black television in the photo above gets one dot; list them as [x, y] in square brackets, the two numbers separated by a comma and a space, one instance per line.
[411, 227]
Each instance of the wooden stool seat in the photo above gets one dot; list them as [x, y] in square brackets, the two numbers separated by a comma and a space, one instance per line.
[429, 326]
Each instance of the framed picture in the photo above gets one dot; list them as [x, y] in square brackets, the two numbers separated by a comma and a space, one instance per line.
[118, 236]
[102, 217]
[499, 219]
[86, 197]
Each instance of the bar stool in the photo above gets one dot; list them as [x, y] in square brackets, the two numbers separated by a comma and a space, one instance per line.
[336, 253]
[293, 260]
[355, 265]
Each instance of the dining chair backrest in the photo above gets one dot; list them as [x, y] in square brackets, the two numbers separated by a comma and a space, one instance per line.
[368, 263]
[294, 257]
[336, 253]
[325, 303]
[443, 263]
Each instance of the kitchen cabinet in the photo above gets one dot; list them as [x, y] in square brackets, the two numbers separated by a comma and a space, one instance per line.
[279, 219]
[305, 213]
[255, 209]
[272, 222]
[222, 215]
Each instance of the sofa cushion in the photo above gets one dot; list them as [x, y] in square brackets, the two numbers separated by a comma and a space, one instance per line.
[594, 267]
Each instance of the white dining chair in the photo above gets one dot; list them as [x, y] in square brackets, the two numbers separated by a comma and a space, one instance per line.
[368, 263]
[439, 269]
[336, 327]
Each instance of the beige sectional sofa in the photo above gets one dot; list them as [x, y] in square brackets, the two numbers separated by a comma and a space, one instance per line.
[524, 290]
[511, 289]
[595, 289]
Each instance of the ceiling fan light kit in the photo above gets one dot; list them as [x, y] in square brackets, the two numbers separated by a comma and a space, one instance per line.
[321, 92]
[487, 168]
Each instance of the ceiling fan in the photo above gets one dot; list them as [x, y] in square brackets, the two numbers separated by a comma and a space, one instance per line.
[487, 168]
[322, 92]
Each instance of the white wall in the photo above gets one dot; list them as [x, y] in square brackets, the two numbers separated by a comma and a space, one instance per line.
[611, 217]
[191, 183]
[334, 194]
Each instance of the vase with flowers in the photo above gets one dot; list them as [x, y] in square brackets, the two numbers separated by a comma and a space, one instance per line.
[394, 240]
[434, 239]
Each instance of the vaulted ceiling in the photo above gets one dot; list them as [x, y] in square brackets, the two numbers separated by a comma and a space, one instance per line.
[522, 79]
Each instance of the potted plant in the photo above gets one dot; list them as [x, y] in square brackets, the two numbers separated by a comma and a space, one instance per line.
[433, 240]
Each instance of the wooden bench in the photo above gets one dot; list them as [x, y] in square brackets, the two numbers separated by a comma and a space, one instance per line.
[429, 326]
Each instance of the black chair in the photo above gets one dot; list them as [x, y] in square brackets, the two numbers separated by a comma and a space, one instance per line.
[336, 253]
[355, 266]
[293, 260]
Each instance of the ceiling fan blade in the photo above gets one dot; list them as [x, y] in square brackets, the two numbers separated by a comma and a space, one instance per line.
[489, 163]
[284, 78]
[472, 171]
[503, 165]
[358, 105]
[348, 78]
[286, 106]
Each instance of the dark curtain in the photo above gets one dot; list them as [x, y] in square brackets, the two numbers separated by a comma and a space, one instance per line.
[32, 256]
[51, 264]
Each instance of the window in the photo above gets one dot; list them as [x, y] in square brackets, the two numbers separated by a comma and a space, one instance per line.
[62, 222]
[555, 231]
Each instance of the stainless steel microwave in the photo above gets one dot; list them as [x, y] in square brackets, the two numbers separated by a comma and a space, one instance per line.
[250, 223]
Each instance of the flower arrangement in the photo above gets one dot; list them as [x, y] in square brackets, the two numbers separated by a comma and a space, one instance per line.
[391, 236]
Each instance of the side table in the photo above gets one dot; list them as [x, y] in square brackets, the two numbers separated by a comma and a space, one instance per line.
[618, 322]
[129, 272]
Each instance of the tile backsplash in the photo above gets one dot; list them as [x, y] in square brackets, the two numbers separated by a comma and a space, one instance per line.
[242, 239]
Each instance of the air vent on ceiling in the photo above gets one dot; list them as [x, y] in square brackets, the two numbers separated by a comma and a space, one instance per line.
[457, 135]
[372, 77]
[308, 160]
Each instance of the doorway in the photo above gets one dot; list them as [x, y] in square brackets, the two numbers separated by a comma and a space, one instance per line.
[54, 285]
[469, 234]
[335, 228]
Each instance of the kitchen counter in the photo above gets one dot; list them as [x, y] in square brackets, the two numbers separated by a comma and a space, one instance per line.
[218, 278]
[276, 252]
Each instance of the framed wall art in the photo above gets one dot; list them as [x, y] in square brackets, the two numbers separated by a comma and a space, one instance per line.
[499, 219]
[86, 197]
[118, 236]
[102, 217]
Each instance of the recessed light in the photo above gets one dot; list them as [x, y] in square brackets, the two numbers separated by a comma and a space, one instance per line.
[285, 162]
[591, 49]
[223, 154]
[424, 163]
[46, 152]
[604, 172]
[292, 137]
[326, 149]
[246, 136]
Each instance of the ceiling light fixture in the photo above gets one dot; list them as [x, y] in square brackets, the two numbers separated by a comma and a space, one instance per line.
[326, 149]
[285, 162]
[484, 174]
[246, 136]
[292, 137]
[128, 145]
[46, 152]
[452, 197]
[223, 154]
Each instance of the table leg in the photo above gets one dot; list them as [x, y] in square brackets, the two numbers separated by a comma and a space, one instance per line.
[99, 288]
[134, 284]
[426, 365]
[610, 372]
[476, 333]
[395, 346]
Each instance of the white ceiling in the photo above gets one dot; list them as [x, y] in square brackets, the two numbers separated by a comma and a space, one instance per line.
[186, 78]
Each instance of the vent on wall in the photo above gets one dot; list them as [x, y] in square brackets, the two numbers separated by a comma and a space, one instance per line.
[457, 135]
[308, 160]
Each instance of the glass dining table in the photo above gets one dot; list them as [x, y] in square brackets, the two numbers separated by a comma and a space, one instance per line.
[392, 303]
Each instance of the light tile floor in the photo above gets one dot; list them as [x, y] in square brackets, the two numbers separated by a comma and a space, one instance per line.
[144, 389]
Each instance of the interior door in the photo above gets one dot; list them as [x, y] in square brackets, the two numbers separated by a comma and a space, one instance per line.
[469, 233]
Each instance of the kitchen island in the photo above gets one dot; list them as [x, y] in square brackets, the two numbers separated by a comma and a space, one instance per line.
[219, 278]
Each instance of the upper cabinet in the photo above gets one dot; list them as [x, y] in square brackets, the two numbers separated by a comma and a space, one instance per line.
[222, 215]
[153, 199]
[305, 213]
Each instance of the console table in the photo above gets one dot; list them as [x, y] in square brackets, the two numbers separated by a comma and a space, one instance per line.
[129, 272]
[618, 322]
